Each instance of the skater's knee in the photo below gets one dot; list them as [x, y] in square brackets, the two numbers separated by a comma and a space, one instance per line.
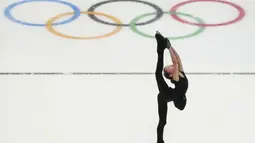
[162, 123]
[161, 99]
[157, 76]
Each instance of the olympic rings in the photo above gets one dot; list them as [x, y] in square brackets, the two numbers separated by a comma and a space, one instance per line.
[50, 28]
[159, 12]
[133, 24]
[238, 18]
[200, 29]
[7, 12]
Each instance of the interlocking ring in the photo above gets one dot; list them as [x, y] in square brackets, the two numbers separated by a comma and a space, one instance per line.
[133, 24]
[238, 18]
[52, 30]
[7, 12]
[199, 30]
[158, 15]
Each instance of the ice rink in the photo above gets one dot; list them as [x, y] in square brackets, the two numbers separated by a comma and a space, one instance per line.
[83, 71]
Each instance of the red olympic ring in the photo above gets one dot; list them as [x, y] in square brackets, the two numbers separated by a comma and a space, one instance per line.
[238, 18]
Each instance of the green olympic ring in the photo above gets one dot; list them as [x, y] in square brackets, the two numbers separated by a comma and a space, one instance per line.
[198, 31]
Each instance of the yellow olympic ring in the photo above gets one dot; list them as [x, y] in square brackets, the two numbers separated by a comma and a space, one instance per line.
[52, 30]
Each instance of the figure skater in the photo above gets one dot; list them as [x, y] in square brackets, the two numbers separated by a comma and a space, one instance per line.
[176, 75]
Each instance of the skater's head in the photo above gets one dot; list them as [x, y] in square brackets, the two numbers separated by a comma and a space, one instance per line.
[169, 71]
[181, 102]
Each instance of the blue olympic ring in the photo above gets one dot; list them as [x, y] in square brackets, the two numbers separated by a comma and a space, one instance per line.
[7, 12]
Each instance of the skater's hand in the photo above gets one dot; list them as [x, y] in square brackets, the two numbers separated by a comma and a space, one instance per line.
[168, 44]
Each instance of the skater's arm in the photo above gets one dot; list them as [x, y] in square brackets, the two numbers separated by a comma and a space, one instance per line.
[175, 64]
[179, 62]
[174, 58]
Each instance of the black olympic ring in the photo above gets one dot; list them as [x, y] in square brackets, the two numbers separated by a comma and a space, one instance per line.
[159, 12]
